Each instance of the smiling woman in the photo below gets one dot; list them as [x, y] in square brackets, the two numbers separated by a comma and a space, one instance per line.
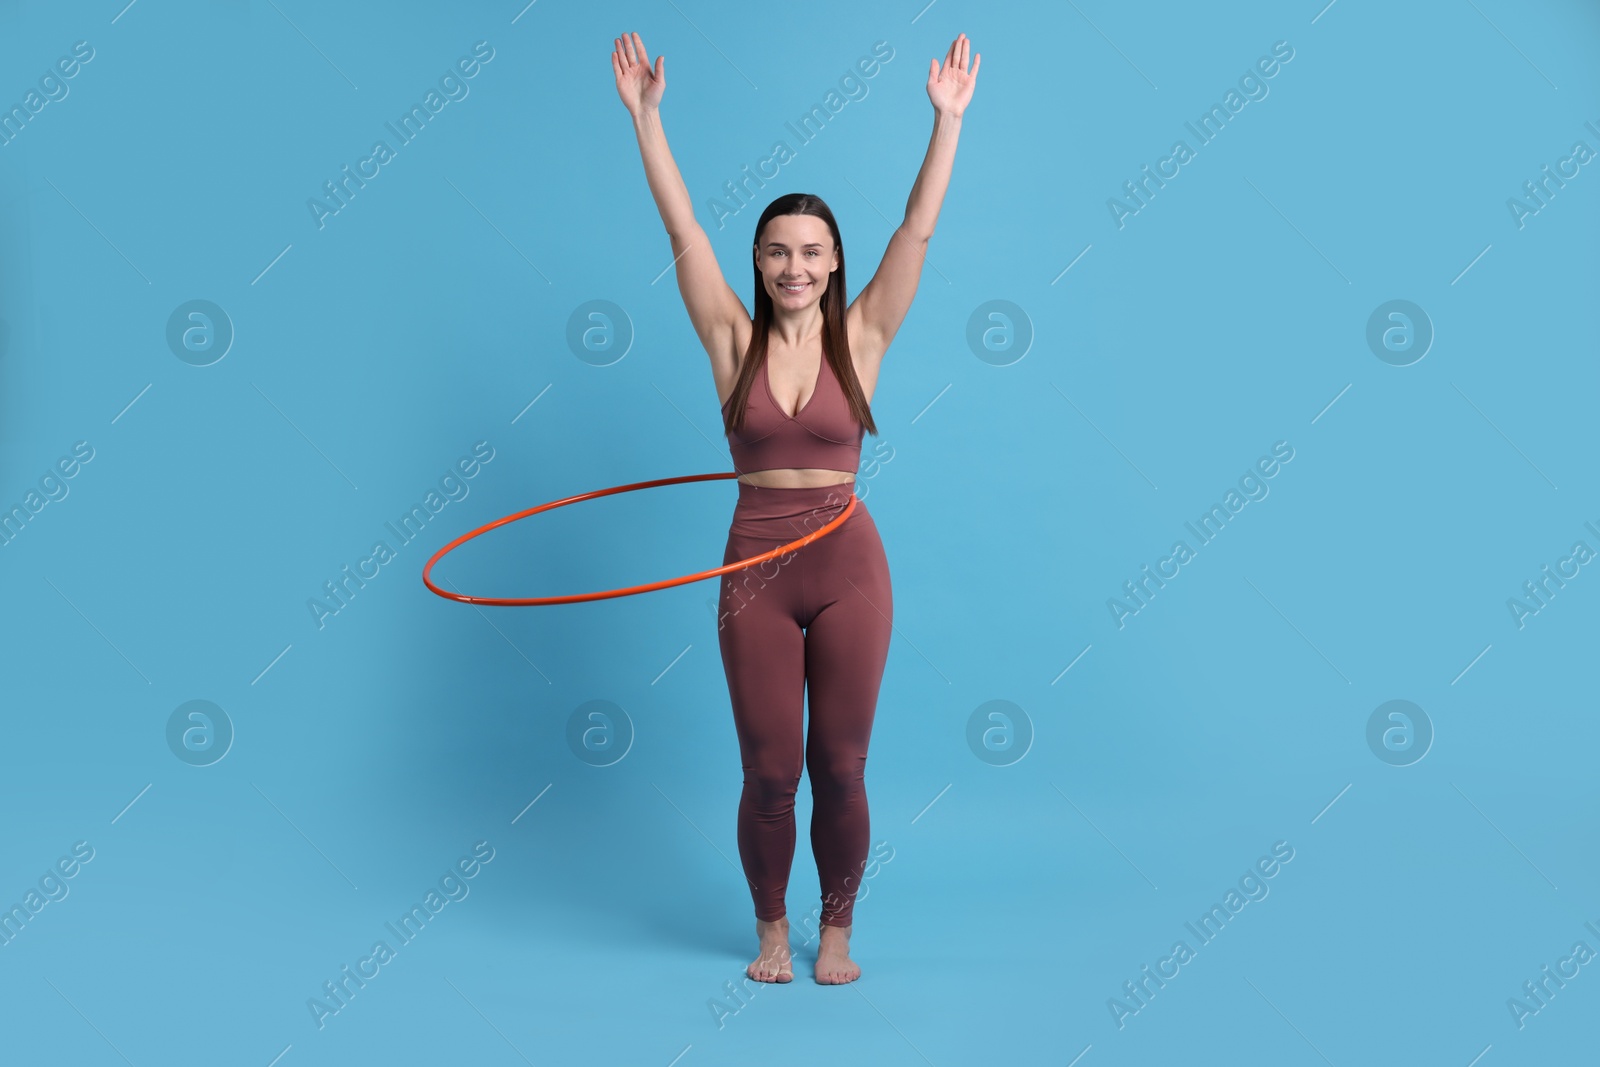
[799, 267]
[819, 627]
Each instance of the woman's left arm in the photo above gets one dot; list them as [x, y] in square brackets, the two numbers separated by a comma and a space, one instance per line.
[884, 301]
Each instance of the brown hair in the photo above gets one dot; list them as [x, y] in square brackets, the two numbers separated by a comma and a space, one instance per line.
[835, 336]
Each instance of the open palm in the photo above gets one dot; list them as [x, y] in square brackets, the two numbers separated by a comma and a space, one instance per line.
[637, 84]
[950, 87]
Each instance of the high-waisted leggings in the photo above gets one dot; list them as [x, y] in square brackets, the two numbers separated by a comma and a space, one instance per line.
[816, 620]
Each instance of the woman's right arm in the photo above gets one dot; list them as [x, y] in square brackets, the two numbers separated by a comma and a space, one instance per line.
[714, 308]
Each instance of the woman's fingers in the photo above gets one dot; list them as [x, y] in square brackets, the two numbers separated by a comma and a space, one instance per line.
[636, 80]
[631, 53]
[960, 56]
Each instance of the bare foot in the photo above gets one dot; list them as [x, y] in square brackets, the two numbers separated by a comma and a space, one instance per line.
[773, 965]
[834, 965]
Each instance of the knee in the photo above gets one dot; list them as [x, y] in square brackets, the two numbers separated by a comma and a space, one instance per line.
[772, 786]
[836, 773]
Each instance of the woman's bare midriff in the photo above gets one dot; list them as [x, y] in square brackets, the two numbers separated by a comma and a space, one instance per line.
[797, 478]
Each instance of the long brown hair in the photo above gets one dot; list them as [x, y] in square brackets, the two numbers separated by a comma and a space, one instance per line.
[835, 336]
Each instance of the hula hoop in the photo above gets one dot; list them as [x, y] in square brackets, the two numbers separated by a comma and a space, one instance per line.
[530, 601]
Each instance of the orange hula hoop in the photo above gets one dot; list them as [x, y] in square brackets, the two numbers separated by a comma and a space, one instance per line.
[532, 601]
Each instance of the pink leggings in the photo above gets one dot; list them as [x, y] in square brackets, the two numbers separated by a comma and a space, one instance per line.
[816, 619]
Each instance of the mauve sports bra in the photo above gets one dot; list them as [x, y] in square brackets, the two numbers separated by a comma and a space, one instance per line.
[824, 434]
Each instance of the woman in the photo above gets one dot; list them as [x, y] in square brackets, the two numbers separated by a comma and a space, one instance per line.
[818, 618]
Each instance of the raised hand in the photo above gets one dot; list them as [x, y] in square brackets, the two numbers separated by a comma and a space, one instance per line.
[637, 84]
[950, 87]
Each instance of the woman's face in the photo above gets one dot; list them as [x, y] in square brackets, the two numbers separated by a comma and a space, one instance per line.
[796, 256]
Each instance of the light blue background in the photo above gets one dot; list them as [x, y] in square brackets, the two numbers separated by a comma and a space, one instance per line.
[370, 354]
